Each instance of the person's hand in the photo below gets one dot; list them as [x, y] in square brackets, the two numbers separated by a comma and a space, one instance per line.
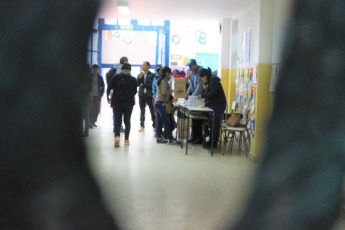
[187, 95]
[199, 97]
[141, 74]
[142, 84]
[109, 100]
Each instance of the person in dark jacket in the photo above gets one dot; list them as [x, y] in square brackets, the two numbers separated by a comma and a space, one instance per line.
[215, 99]
[124, 88]
[110, 74]
[145, 79]
[97, 94]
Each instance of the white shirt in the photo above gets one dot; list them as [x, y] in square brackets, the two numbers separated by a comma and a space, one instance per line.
[145, 83]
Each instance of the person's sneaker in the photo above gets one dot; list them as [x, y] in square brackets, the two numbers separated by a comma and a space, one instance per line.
[142, 129]
[117, 141]
[91, 126]
[161, 141]
[174, 142]
[94, 125]
[126, 142]
[85, 134]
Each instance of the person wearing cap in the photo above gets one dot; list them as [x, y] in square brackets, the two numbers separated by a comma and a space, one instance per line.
[196, 87]
[145, 79]
[124, 88]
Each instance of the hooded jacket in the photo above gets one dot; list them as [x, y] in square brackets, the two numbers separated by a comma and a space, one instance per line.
[112, 72]
[214, 93]
[124, 88]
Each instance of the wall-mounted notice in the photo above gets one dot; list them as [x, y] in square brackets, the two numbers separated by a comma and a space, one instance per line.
[242, 50]
[247, 48]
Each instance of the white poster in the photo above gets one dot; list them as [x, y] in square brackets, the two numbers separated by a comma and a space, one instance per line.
[247, 49]
[242, 51]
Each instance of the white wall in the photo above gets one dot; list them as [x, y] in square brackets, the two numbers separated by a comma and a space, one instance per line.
[189, 45]
[281, 17]
[226, 44]
[234, 44]
[249, 18]
[268, 21]
[137, 52]
[266, 31]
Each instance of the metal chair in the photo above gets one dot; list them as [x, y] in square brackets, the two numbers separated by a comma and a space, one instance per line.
[230, 133]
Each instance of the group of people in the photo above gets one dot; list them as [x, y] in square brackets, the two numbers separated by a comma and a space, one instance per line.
[155, 91]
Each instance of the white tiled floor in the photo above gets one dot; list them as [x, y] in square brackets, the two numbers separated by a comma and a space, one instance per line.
[156, 186]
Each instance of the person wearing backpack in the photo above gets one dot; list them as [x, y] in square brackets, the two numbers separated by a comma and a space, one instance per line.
[215, 99]
[124, 88]
[110, 74]
[116, 69]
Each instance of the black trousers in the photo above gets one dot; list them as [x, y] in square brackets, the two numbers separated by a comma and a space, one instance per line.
[197, 128]
[94, 111]
[143, 101]
[124, 111]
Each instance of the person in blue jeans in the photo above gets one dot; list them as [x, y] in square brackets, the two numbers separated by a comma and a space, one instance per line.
[154, 91]
[162, 97]
[215, 99]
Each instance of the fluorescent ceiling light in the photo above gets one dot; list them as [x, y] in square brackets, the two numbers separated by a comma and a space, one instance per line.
[123, 8]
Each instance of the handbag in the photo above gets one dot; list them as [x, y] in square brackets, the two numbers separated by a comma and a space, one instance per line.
[233, 120]
[168, 107]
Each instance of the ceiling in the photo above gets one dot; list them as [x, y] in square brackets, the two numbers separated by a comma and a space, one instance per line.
[175, 9]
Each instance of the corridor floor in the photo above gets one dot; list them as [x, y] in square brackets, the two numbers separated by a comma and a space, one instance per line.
[156, 186]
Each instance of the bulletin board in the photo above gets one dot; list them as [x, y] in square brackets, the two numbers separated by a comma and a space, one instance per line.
[246, 83]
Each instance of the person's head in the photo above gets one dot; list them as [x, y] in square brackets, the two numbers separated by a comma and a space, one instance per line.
[158, 68]
[146, 66]
[127, 67]
[205, 74]
[192, 65]
[175, 73]
[94, 70]
[182, 73]
[123, 60]
[166, 72]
